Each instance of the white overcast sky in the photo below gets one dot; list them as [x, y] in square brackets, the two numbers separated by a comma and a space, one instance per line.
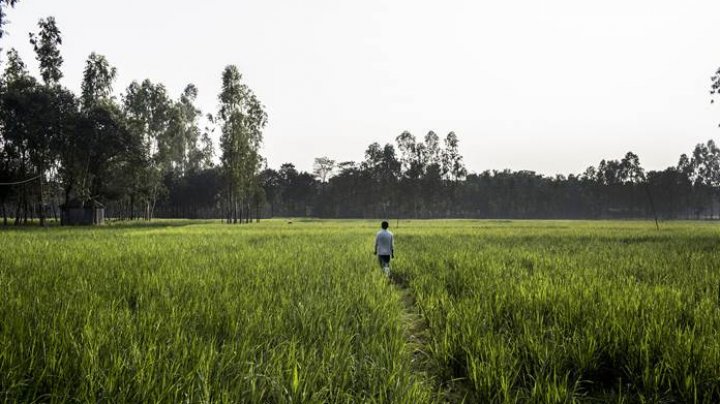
[552, 86]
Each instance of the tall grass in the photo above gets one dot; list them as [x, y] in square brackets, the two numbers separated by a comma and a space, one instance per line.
[570, 311]
[276, 312]
[204, 313]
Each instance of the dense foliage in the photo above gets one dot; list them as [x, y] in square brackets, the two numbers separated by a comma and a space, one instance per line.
[58, 149]
[416, 184]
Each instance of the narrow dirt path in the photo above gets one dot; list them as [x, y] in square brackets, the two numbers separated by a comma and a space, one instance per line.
[416, 328]
[417, 336]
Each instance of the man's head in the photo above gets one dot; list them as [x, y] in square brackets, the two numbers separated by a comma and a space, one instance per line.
[385, 225]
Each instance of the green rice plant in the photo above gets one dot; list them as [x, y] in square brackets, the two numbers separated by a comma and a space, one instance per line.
[481, 311]
[568, 311]
[200, 313]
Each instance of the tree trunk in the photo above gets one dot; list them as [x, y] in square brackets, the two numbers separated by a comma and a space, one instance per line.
[17, 213]
[652, 206]
[41, 200]
[238, 212]
[132, 206]
[235, 211]
[25, 206]
[152, 209]
[227, 207]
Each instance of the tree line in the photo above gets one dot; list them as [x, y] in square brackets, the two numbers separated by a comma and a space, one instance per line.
[144, 154]
[418, 179]
[130, 154]
[426, 178]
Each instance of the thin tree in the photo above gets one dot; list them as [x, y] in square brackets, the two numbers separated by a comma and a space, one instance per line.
[46, 44]
[633, 173]
[323, 168]
[4, 4]
[100, 117]
[156, 122]
[98, 79]
[452, 161]
[242, 119]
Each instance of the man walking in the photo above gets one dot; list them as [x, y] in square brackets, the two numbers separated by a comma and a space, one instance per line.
[384, 247]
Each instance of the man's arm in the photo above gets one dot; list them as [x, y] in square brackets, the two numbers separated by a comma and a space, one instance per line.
[392, 246]
[376, 243]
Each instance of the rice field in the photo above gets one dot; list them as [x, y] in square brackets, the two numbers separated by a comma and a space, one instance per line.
[476, 311]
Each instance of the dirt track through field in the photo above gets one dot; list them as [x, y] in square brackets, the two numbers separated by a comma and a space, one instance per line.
[417, 339]
[416, 328]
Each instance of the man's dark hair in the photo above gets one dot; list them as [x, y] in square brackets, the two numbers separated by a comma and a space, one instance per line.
[385, 225]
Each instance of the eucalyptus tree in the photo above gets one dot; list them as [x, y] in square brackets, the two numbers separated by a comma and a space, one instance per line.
[706, 166]
[685, 167]
[46, 44]
[105, 149]
[452, 161]
[35, 118]
[55, 111]
[95, 154]
[149, 111]
[415, 156]
[610, 172]
[323, 168]
[202, 157]
[706, 163]
[207, 148]
[433, 154]
[712, 175]
[634, 174]
[406, 144]
[452, 168]
[18, 88]
[188, 154]
[15, 68]
[181, 154]
[715, 86]
[184, 146]
[242, 119]
[4, 4]
[388, 173]
[53, 105]
[17, 84]
[97, 84]
[630, 169]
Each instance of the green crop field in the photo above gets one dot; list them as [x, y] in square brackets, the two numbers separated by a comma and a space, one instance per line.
[477, 311]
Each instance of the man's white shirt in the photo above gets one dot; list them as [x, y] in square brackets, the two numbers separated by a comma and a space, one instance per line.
[384, 242]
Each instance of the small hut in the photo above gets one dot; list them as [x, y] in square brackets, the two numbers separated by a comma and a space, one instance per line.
[76, 213]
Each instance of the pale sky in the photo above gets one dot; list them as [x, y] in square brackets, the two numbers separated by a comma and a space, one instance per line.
[552, 86]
